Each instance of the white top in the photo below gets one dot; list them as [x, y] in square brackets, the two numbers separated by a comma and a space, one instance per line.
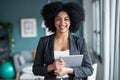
[58, 54]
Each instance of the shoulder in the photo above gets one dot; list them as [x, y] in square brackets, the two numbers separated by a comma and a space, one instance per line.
[47, 38]
[76, 38]
[78, 41]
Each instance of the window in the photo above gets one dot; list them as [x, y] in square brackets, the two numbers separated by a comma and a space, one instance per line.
[96, 29]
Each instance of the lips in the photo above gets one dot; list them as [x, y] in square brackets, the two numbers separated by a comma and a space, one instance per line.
[62, 27]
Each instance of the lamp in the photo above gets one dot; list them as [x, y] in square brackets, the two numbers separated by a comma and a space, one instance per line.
[43, 24]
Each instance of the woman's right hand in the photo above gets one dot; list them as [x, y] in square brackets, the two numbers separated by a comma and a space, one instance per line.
[57, 65]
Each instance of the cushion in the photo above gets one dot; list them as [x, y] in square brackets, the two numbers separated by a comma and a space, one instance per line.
[21, 60]
[28, 56]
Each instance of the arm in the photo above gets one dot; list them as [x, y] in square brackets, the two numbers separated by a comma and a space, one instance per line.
[44, 65]
[38, 67]
[79, 71]
[86, 68]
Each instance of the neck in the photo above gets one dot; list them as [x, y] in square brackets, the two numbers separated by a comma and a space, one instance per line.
[62, 35]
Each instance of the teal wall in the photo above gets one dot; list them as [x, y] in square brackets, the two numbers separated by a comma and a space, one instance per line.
[14, 10]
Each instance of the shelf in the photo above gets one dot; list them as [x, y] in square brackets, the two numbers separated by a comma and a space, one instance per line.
[3, 56]
[5, 40]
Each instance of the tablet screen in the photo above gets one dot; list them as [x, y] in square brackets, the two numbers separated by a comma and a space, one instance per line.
[73, 60]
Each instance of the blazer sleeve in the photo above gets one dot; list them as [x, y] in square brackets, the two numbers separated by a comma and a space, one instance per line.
[38, 67]
[85, 69]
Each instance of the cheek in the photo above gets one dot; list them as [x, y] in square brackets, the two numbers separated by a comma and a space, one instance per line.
[69, 24]
[56, 23]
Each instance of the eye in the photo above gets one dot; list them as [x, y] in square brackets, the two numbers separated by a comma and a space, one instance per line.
[57, 19]
[66, 19]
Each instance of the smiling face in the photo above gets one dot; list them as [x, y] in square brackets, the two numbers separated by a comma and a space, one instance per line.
[62, 22]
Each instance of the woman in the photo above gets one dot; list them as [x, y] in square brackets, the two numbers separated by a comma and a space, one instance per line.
[63, 19]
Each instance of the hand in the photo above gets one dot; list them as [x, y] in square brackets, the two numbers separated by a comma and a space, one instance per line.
[63, 71]
[57, 65]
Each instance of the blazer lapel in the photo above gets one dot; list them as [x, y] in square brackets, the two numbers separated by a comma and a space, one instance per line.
[51, 46]
[71, 45]
[73, 49]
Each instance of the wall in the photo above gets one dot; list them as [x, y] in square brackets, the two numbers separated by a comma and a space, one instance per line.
[14, 10]
[88, 26]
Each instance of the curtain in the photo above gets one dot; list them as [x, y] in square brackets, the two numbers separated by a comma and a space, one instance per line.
[117, 41]
[114, 39]
[111, 21]
[106, 19]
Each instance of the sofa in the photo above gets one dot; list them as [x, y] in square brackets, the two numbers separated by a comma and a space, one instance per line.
[23, 62]
[23, 59]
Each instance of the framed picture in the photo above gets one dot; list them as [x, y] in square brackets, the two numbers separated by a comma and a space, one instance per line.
[28, 27]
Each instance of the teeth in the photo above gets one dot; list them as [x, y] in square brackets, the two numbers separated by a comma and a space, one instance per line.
[62, 27]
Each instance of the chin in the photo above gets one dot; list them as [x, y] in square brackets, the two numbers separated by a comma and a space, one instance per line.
[63, 31]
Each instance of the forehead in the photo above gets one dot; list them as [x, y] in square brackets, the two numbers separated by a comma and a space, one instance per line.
[63, 14]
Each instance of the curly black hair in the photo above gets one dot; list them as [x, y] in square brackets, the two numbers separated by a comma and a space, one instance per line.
[74, 10]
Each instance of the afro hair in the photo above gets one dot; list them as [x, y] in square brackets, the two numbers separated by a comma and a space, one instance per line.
[74, 10]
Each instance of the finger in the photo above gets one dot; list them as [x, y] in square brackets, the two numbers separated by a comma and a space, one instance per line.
[55, 70]
[64, 64]
[61, 59]
[55, 73]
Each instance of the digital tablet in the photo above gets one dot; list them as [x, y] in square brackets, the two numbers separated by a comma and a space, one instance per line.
[73, 60]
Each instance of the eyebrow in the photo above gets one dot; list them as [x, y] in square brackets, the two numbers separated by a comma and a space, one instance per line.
[60, 17]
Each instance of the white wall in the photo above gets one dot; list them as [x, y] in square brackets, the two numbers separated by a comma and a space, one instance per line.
[88, 24]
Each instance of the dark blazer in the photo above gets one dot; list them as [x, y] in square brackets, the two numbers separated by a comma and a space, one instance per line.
[45, 56]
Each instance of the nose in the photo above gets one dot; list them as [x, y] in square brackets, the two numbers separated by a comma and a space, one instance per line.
[62, 22]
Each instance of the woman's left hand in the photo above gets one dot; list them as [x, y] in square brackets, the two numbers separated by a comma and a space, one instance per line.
[63, 71]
